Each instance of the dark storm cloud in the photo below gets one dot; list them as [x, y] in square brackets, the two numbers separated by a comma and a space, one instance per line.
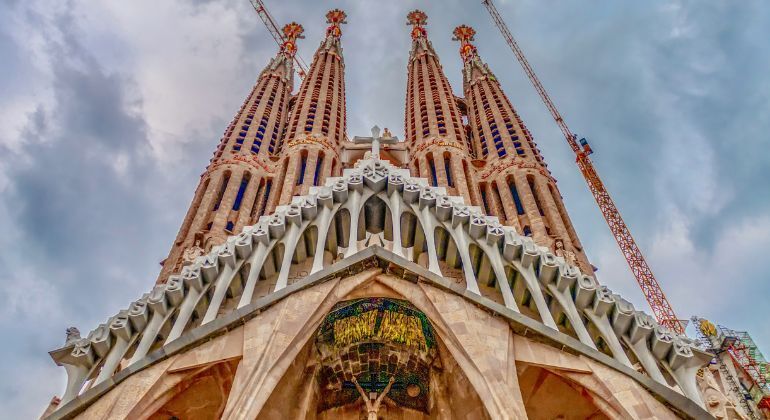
[81, 212]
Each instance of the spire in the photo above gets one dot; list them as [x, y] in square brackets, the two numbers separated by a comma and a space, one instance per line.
[317, 123]
[514, 183]
[431, 106]
[322, 93]
[496, 128]
[472, 64]
[420, 44]
[334, 18]
[439, 148]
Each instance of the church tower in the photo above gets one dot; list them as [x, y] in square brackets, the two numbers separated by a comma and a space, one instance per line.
[436, 139]
[316, 127]
[234, 190]
[514, 182]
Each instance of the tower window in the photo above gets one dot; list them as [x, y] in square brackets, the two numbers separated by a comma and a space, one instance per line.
[241, 191]
[318, 165]
[432, 165]
[448, 169]
[268, 186]
[302, 167]
[516, 198]
[229, 226]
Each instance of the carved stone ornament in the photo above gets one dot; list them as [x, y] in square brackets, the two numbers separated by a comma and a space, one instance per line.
[73, 335]
[717, 403]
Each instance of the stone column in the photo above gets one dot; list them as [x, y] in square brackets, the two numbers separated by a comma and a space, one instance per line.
[285, 187]
[550, 209]
[312, 158]
[441, 175]
[458, 175]
[511, 215]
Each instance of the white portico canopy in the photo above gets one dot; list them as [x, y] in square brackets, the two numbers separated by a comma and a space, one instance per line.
[379, 203]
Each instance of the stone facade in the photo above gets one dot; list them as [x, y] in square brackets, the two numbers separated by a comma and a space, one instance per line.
[380, 286]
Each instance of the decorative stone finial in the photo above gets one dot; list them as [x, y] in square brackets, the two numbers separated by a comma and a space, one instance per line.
[291, 33]
[465, 34]
[73, 335]
[335, 18]
[418, 19]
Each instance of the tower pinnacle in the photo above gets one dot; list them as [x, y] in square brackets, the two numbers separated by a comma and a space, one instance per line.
[418, 19]
[513, 181]
[335, 18]
[464, 34]
[291, 32]
[435, 134]
[316, 126]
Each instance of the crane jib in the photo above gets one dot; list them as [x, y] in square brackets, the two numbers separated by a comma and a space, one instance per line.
[633, 255]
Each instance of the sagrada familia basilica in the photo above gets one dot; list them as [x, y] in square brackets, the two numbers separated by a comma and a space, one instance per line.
[438, 277]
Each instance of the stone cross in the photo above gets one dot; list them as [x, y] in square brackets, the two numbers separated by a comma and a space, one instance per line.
[376, 140]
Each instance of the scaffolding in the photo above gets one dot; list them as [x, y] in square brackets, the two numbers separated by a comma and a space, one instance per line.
[753, 383]
[750, 359]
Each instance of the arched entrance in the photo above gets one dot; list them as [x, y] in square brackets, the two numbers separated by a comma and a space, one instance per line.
[377, 357]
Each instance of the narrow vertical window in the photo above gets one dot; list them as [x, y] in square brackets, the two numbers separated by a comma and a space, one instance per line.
[268, 186]
[448, 169]
[241, 191]
[484, 200]
[302, 167]
[516, 198]
[432, 166]
[222, 190]
[318, 166]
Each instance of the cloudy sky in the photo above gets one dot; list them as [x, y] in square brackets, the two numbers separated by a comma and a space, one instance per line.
[110, 110]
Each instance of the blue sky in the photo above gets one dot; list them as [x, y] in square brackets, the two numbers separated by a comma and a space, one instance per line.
[109, 112]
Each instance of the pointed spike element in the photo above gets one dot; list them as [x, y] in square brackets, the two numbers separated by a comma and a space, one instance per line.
[465, 34]
[335, 18]
[418, 19]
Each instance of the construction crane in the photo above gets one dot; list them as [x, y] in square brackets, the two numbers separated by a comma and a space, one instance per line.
[272, 27]
[650, 287]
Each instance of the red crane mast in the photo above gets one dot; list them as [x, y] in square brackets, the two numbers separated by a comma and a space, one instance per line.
[657, 300]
